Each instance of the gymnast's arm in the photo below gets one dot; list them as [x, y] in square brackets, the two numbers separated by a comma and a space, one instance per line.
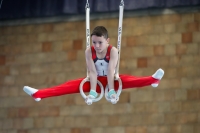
[91, 68]
[111, 67]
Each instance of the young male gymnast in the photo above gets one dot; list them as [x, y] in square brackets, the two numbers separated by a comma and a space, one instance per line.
[101, 60]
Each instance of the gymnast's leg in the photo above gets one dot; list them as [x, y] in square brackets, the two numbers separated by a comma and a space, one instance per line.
[132, 81]
[73, 85]
[69, 87]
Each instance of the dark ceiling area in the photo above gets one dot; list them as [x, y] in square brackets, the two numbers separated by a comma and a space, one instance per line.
[19, 9]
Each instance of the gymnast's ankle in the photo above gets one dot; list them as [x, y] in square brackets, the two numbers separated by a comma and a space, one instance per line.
[30, 91]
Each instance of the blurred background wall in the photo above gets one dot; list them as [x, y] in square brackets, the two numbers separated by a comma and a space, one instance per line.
[44, 54]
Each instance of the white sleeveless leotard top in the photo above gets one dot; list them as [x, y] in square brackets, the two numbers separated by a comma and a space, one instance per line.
[101, 64]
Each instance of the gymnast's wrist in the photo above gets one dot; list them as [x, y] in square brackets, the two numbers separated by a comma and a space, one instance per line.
[93, 93]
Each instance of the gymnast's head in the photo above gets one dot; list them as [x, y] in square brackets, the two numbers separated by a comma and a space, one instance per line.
[100, 39]
[100, 31]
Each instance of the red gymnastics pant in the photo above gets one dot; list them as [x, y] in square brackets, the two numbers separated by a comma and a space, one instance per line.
[72, 86]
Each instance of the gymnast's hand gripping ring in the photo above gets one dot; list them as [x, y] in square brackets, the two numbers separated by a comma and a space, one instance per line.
[83, 94]
[118, 92]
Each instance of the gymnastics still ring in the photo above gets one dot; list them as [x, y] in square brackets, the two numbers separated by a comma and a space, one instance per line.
[118, 91]
[121, 10]
[83, 94]
[87, 79]
[87, 7]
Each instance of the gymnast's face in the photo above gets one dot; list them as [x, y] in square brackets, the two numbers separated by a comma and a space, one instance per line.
[100, 43]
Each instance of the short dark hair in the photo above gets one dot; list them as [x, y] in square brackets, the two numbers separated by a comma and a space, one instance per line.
[100, 31]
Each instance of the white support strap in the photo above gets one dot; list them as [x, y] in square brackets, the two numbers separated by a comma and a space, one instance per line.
[121, 11]
[87, 10]
[87, 79]
[114, 101]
